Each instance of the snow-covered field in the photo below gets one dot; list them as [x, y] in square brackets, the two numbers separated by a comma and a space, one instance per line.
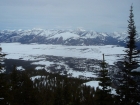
[32, 51]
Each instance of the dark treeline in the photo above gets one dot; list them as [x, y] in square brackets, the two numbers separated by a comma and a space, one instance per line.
[50, 89]
[22, 88]
[18, 88]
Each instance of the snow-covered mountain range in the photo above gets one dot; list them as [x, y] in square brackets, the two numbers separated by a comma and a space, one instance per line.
[65, 37]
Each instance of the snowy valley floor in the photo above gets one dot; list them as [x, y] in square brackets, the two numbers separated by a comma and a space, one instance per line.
[77, 61]
[32, 51]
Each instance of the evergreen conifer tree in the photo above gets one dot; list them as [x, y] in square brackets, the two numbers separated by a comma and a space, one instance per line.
[3, 82]
[103, 95]
[131, 51]
[128, 87]
[1, 60]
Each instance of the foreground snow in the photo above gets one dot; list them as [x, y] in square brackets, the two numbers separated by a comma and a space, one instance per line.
[95, 84]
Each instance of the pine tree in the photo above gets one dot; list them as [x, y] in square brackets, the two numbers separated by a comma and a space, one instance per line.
[27, 91]
[131, 51]
[3, 82]
[128, 87]
[1, 60]
[105, 81]
[103, 95]
[14, 87]
[3, 89]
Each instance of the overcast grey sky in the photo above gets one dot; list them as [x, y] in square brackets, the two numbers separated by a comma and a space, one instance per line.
[98, 15]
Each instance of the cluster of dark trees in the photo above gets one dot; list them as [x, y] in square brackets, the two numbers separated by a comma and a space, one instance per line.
[50, 89]
[129, 89]
[19, 88]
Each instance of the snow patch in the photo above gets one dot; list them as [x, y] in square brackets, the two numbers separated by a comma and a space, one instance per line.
[65, 36]
[20, 68]
[36, 77]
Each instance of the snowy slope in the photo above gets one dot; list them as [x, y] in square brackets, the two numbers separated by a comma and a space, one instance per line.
[65, 36]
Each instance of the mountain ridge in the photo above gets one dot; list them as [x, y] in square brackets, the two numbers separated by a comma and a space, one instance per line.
[65, 37]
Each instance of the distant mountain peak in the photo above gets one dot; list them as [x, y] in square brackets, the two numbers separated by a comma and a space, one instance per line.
[65, 37]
